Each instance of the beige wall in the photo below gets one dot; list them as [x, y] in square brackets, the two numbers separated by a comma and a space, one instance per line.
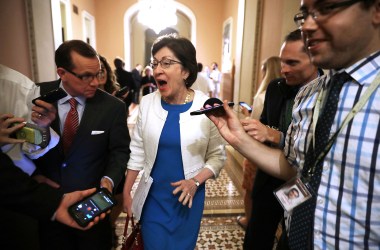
[209, 14]
[14, 41]
[77, 19]
[110, 27]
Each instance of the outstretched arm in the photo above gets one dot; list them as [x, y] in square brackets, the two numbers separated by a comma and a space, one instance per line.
[268, 159]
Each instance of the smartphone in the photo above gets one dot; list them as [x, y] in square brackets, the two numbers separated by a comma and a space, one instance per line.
[218, 110]
[246, 105]
[122, 91]
[87, 209]
[51, 96]
[34, 134]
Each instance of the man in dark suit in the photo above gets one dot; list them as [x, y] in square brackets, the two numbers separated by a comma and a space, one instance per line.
[136, 74]
[96, 155]
[125, 79]
[297, 69]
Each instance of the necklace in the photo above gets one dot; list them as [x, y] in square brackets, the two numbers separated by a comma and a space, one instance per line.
[187, 99]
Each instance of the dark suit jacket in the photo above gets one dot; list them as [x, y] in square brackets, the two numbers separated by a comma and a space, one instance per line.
[137, 78]
[100, 147]
[125, 78]
[266, 210]
[22, 194]
[22, 202]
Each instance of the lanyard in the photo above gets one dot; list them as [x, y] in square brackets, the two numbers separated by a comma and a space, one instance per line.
[358, 106]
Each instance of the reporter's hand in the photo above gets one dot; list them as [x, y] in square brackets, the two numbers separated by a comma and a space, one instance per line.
[255, 129]
[229, 125]
[245, 111]
[62, 213]
[44, 113]
[7, 129]
[105, 183]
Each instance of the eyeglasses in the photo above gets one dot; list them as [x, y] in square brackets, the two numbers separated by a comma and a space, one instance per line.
[165, 63]
[320, 11]
[87, 78]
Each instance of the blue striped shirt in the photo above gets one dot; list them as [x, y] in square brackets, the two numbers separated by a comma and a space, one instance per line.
[347, 215]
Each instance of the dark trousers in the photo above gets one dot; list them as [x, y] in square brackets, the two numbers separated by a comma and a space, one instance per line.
[19, 231]
[54, 235]
[267, 213]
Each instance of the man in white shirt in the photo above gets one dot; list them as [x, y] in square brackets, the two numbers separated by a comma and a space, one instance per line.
[215, 76]
[203, 83]
[16, 94]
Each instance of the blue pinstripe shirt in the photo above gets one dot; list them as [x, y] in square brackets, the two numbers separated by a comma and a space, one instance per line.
[347, 215]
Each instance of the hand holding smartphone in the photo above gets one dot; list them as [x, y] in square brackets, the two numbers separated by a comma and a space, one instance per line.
[52, 96]
[85, 211]
[245, 105]
[34, 134]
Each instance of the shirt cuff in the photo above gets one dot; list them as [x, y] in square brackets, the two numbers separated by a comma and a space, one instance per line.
[108, 178]
[34, 151]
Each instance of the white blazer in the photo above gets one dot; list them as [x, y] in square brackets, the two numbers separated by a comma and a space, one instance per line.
[201, 144]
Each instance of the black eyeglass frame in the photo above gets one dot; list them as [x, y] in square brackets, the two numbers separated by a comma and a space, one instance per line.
[100, 75]
[165, 63]
[321, 10]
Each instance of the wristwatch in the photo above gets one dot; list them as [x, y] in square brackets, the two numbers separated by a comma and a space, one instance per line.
[196, 182]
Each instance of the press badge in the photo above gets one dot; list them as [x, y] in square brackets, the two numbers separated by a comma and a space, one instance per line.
[292, 194]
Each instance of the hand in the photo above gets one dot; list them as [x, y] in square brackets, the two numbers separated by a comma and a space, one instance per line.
[43, 179]
[255, 129]
[6, 129]
[104, 182]
[127, 203]
[188, 189]
[62, 214]
[44, 113]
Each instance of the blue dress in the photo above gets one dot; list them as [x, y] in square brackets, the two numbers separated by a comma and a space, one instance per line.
[165, 222]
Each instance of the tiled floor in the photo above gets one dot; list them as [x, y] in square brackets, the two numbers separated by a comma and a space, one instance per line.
[223, 203]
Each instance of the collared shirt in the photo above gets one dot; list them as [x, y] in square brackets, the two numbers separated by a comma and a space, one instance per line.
[64, 107]
[347, 215]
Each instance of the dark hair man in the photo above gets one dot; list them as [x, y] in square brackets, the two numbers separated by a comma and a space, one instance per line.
[94, 146]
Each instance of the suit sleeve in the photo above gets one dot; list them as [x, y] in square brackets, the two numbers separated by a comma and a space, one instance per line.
[119, 141]
[22, 194]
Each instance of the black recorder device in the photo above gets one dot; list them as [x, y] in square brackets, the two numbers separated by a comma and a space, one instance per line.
[215, 110]
[85, 211]
[52, 96]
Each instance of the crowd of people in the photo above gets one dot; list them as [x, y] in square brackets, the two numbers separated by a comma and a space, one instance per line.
[301, 170]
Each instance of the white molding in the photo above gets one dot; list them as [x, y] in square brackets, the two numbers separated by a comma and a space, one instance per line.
[129, 14]
[89, 33]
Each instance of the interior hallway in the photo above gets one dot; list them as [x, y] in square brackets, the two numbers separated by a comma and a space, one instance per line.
[223, 203]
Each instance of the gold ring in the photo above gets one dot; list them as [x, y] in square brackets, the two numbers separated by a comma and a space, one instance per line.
[188, 194]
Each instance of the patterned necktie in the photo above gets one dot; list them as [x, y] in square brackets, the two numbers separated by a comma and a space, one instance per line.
[302, 220]
[71, 125]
